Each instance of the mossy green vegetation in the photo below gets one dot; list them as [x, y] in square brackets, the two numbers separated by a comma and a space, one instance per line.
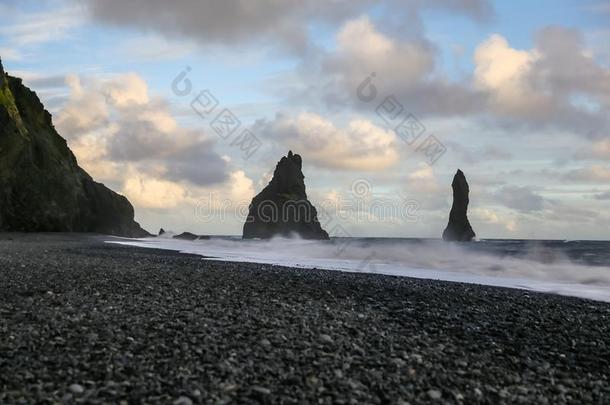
[7, 100]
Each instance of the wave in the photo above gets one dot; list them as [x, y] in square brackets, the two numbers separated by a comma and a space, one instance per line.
[499, 263]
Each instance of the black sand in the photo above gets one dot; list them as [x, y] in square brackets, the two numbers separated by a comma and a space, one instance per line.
[87, 322]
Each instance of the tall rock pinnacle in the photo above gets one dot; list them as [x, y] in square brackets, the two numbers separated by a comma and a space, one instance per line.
[282, 208]
[458, 228]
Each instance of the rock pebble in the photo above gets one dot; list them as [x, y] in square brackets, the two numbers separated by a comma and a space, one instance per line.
[133, 325]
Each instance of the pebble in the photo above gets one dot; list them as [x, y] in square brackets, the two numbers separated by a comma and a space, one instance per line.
[326, 339]
[183, 400]
[77, 389]
[261, 390]
[166, 323]
[435, 394]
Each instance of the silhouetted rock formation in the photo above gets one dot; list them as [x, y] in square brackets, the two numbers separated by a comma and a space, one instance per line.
[282, 208]
[161, 232]
[459, 228]
[42, 187]
[186, 236]
[190, 236]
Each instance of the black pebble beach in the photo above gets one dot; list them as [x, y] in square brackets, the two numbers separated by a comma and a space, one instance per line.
[82, 321]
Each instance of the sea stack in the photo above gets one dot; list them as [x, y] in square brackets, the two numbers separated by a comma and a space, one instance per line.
[42, 187]
[282, 208]
[458, 228]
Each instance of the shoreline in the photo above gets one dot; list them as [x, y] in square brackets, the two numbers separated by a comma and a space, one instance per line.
[397, 258]
[86, 320]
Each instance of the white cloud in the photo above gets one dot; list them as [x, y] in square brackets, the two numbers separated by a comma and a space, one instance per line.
[241, 187]
[115, 122]
[24, 29]
[84, 112]
[492, 217]
[557, 83]
[358, 146]
[130, 90]
[503, 72]
[362, 50]
[150, 192]
[423, 180]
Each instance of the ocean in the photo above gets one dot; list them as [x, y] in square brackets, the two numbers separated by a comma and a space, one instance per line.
[568, 267]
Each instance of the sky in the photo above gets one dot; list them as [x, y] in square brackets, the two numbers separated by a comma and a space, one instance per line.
[185, 107]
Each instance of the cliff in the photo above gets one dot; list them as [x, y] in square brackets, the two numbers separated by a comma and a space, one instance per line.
[42, 188]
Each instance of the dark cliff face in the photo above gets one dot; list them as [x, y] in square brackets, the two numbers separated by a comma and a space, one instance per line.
[282, 208]
[459, 228]
[42, 188]
[1, 75]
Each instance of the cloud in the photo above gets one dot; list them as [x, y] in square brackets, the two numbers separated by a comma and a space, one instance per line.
[150, 192]
[84, 112]
[558, 83]
[591, 174]
[403, 68]
[10, 54]
[602, 196]
[503, 72]
[359, 145]
[198, 163]
[421, 184]
[24, 29]
[362, 50]
[154, 48]
[601, 149]
[213, 22]
[131, 90]
[522, 199]
[283, 23]
[492, 217]
[116, 121]
[423, 180]
[226, 200]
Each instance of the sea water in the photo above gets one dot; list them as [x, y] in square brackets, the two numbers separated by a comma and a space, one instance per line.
[573, 268]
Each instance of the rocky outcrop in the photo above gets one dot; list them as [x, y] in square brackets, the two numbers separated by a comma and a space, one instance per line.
[42, 188]
[190, 236]
[282, 208]
[459, 228]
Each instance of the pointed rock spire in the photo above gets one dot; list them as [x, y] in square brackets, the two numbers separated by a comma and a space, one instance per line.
[282, 208]
[458, 228]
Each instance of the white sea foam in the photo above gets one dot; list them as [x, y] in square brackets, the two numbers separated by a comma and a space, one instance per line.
[534, 270]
